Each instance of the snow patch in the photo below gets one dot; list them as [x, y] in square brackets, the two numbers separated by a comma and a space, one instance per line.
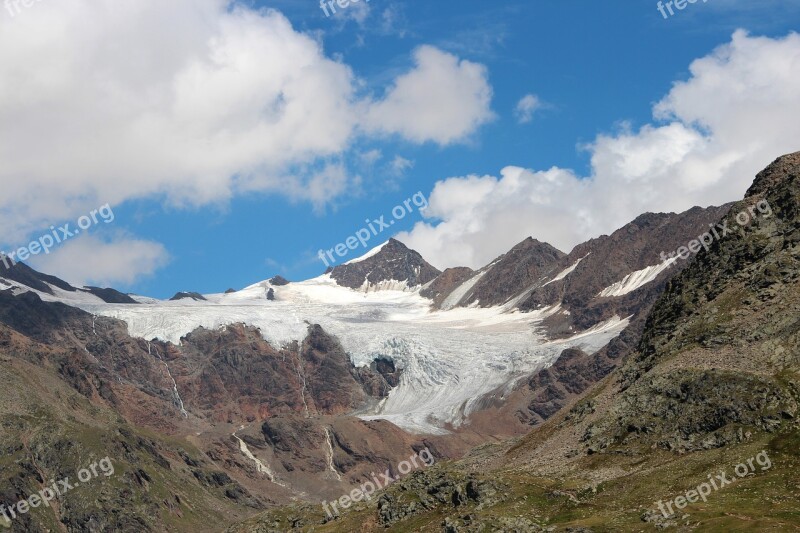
[566, 272]
[637, 279]
[461, 291]
[373, 252]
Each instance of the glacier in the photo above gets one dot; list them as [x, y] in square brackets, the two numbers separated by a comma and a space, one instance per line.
[451, 359]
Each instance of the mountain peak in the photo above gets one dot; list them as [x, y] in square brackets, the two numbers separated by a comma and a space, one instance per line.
[390, 265]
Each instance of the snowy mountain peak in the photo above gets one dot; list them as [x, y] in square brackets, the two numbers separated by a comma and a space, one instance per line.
[391, 265]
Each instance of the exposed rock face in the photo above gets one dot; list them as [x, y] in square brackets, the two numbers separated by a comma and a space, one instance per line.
[111, 296]
[534, 275]
[234, 373]
[188, 296]
[22, 273]
[318, 454]
[279, 281]
[394, 263]
[779, 175]
[607, 260]
[438, 289]
[29, 315]
[527, 263]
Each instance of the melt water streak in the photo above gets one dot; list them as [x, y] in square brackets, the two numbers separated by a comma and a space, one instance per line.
[260, 466]
[331, 466]
[176, 396]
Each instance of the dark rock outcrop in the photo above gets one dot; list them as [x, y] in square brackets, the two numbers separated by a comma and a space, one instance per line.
[197, 297]
[111, 296]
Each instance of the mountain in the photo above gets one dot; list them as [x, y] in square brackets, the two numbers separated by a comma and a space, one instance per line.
[527, 263]
[616, 275]
[391, 265]
[697, 429]
[218, 407]
[19, 275]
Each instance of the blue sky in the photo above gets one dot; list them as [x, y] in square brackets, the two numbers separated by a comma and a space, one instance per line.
[596, 69]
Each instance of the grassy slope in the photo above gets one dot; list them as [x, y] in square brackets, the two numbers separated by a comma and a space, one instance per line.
[50, 431]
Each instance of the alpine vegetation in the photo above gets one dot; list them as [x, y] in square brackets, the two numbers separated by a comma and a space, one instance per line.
[381, 481]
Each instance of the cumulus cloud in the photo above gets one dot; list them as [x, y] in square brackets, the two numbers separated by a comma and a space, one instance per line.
[443, 100]
[711, 134]
[90, 260]
[526, 107]
[192, 102]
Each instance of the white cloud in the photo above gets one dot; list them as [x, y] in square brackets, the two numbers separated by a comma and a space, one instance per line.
[714, 132]
[526, 107]
[227, 101]
[89, 260]
[443, 100]
[191, 102]
[370, 157]
[194, 111]
[400, 165]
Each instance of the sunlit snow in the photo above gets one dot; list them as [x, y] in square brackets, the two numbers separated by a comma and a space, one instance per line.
[637, 279]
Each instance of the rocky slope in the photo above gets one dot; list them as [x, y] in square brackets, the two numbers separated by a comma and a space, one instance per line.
[526, 264]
